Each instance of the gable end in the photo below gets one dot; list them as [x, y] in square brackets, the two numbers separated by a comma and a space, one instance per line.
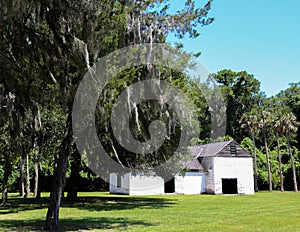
[233, 149]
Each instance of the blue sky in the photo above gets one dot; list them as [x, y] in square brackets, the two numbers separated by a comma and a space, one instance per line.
[261, 37]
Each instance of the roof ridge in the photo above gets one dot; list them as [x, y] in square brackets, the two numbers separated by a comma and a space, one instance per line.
[204, 147]
[199, 145]
[224, 146]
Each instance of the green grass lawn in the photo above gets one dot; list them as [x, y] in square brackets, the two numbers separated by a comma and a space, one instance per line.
[263, 211]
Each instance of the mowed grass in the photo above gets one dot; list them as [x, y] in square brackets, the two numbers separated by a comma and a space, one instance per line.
[263, 211]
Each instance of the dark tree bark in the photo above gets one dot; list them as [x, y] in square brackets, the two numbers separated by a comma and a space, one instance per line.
[7, 170]
[74, 177]
[293, 164]
[254, 163]
[59, 178]
[268, 161]
[280, 163]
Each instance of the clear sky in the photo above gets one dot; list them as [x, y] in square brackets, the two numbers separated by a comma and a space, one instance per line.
[261, 37]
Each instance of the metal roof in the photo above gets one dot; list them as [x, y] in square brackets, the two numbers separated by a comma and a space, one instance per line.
[211, 150]
[208, 150]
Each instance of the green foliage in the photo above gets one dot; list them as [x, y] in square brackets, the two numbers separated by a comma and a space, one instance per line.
[241, 92]
[143, 114]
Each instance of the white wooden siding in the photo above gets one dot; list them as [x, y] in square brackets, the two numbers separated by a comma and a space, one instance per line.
[146, 185]
[191, 183]
[239, 168]
[124, 189]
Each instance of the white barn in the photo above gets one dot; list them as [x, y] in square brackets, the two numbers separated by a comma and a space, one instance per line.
[218, 168]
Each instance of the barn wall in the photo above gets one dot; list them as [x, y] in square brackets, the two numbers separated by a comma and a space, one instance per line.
[210, 181]
[146, 185]
[209, 174]
[191, 183]
[234, 167]
[124, 189]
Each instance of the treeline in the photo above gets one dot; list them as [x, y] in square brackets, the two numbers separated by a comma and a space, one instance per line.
[268, 127]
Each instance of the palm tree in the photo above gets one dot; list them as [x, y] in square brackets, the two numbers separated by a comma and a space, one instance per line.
[264, 125]
[289, 127]
[249, 121]
[278, 128]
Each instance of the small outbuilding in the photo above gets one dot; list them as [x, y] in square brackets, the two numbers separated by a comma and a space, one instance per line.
[217, 168]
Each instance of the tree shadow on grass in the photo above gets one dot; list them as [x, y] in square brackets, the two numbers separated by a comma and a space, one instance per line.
[119, 203]
[73, 224]
[94, 204]
[101, 203]
[23, 204]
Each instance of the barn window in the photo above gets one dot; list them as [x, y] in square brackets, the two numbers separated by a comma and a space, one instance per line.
[233, 151]
[118, 180]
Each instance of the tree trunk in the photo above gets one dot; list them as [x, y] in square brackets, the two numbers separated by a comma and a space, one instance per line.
[22, 181]
[293, 164]
[37, 127]
[37, 192]
[254, 163]
[280, 164]
[7, 170]
[27, 176]
[74, 177]
[59, 178]
[268, 161]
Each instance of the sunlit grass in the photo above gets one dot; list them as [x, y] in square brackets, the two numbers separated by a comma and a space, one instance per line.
[263, 211]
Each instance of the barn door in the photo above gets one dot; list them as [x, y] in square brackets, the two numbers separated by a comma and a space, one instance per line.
[229, 186]
[170, 186]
